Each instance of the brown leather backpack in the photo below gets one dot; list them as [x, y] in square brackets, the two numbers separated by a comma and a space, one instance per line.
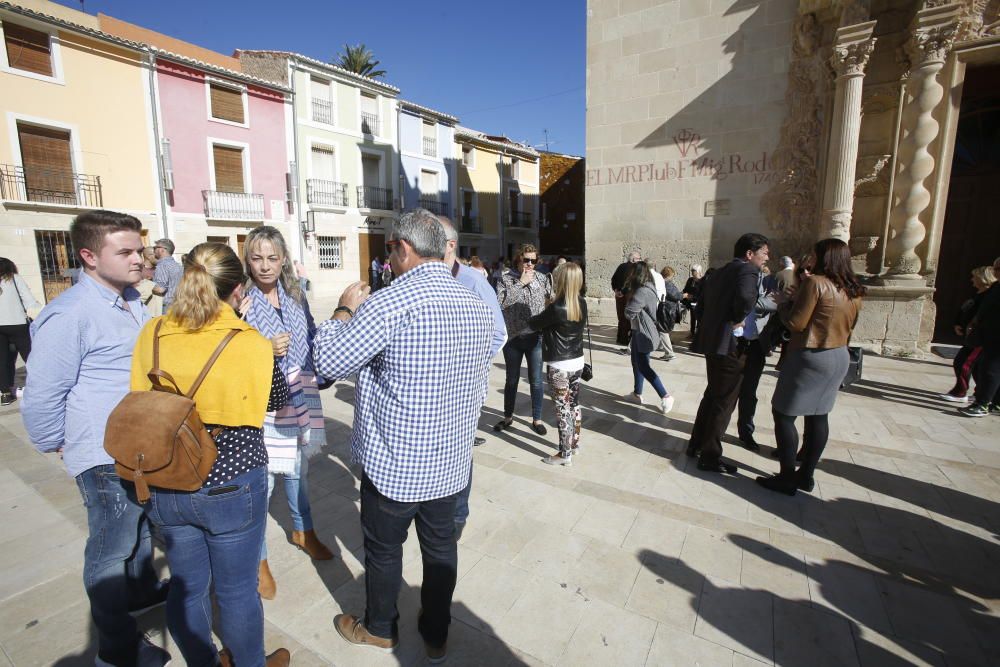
[157, 437]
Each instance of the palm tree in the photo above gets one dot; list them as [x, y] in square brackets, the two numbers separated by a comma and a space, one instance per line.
[360, 60]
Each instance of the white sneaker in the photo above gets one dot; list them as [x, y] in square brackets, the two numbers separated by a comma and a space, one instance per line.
[635, 398]
[667, 403]
[954, 399]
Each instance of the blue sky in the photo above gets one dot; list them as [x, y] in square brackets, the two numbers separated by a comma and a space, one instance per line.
[515, 67]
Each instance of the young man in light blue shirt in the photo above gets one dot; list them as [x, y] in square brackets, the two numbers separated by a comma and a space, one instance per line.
[83, 343]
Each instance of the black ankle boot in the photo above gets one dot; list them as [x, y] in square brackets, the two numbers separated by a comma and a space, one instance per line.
[779, 484]
[804, 483]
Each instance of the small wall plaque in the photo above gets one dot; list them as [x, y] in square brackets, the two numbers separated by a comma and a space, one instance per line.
[716, 207]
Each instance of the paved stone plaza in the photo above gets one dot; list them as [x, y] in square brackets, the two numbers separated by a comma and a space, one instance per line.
[631, 556]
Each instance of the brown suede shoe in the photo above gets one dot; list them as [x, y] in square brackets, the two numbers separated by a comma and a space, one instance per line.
[308, 542]
[353, 630]
[265, 582]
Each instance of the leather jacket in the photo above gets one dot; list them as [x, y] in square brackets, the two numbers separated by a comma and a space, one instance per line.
[562, 340]
[821, 316]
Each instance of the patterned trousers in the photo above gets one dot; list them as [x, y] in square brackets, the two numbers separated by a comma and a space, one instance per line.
[565, 388]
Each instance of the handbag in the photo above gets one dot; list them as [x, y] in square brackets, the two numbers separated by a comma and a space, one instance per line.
[27, 317]
[587, 374]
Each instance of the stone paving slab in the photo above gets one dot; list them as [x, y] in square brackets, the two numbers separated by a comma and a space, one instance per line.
[631, 556]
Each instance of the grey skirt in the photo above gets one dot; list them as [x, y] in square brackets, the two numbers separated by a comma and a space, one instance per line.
[809, 381]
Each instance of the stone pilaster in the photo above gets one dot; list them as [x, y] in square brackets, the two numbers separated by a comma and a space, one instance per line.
[933, 33]
[852, 49]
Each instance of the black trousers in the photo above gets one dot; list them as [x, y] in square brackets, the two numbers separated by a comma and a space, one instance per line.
[987, 374]
[747, 405]
[16, 336]
[624, 326]
[725, 374]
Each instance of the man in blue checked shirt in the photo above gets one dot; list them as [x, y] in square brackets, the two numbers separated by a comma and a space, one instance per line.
[421, 352]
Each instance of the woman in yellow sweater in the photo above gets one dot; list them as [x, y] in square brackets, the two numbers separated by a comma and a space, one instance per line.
[213, 535]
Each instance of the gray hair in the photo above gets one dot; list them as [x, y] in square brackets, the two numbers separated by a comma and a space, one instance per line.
[423, 231]
[450, 233]
[166, 244]
[289, 280]
[787, 262]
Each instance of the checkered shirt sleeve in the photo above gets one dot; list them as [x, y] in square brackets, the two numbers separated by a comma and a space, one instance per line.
[421, 352]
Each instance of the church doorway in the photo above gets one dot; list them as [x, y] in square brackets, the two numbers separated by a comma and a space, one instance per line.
[971, 231]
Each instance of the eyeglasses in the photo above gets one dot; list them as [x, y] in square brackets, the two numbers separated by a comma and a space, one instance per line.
[529, 260]
[390, 246]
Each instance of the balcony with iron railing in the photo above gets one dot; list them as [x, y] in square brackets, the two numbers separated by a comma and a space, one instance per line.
[369, 123]
[50, 186]
[322, 111]
[520, 219]
[372, 197]
[233, 205]
[430, 146]
[471, 224]
[434, 206]
[328, 193]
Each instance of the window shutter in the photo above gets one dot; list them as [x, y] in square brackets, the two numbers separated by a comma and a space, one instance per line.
[27, 49]
[228, 168]
[227, 103]
[48, 164]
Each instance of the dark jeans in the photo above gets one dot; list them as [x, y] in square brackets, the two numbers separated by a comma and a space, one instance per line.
[624, 326]
[752, 371]
[18, 336]
[117, 561]
[526, 346]
[462, 501]
[988, 376]
[213, 541]
[385, 523]
[725, 373]
[641, 369]
[817, 432]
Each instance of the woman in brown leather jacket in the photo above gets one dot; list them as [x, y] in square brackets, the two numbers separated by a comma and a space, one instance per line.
[820, 317]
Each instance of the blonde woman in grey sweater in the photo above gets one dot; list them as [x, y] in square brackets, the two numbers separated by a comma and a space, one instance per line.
[641, 312]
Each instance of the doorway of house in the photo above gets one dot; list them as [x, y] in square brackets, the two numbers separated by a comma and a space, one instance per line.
[971, 233]
[370, 246]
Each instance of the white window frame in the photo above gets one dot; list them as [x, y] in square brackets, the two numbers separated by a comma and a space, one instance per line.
[55, 52]
[361, 167]
[515, 168]
[471, 164]
[342, 242]
[243, 146]
[318, 143]
[333, 101]
[378, 113]
[461, 202]
[223, 83]
[76, 154]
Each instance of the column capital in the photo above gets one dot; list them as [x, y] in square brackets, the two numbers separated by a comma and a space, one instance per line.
[933, 33]
[852, 48]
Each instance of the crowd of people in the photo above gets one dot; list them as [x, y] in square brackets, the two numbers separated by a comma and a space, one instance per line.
[237, 338]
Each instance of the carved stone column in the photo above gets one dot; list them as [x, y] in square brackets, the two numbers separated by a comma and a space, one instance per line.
[934, 32]
[851, 50]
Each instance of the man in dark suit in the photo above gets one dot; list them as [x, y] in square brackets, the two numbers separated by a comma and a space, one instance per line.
[727, 297]
[618, 280]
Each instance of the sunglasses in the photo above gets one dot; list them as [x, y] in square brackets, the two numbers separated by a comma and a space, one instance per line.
[529, 260]
[390, 246]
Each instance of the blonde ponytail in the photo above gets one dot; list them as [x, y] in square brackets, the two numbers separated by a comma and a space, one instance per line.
[211, 273]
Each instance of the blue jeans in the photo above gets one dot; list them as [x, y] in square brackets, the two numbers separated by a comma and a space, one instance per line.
[385, 523]
[212, 541]
[117, 561]
[517, 348]
[462, 501]
[641, 369]
[297, 492]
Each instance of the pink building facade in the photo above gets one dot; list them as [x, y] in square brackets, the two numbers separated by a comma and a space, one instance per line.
[229, 137]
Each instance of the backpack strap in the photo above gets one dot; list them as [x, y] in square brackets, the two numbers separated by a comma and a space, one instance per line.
[211, 362]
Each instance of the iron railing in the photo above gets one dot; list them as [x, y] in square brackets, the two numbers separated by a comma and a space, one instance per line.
[369, 123]
[519, 219]
[330, 193]
[470, 224]
[233, 205]
[50, 186]
[434, 206]
[372, 197]
[431, 146]
[322, 111]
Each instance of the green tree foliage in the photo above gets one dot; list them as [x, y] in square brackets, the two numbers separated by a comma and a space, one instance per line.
[360, 60]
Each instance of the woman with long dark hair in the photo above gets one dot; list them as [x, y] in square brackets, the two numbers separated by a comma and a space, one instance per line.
[16, 300]
[641, 312]
[820, 317]
[213, 535]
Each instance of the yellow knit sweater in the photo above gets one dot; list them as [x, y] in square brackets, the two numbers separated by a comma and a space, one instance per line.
[236, 390]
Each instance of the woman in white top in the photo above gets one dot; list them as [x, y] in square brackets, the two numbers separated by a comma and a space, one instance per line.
[16, 300]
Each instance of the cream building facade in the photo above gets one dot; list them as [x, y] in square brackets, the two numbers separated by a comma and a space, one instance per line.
[77, 135]
[799, 119]
[496, 194]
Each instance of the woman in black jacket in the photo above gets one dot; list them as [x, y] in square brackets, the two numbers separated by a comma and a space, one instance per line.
[562, 324]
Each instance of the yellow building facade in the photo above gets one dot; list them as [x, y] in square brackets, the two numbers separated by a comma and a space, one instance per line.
[76, 135]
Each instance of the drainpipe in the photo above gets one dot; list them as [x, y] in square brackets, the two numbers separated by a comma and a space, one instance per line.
[298, 168]
[502, 228]
[158, 143]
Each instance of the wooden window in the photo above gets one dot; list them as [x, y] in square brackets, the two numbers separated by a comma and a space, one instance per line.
[27, 49]
[48, 164]
[228, 168]
[227, 103]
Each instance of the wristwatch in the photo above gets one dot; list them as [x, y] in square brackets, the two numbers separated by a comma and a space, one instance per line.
[343, 309]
